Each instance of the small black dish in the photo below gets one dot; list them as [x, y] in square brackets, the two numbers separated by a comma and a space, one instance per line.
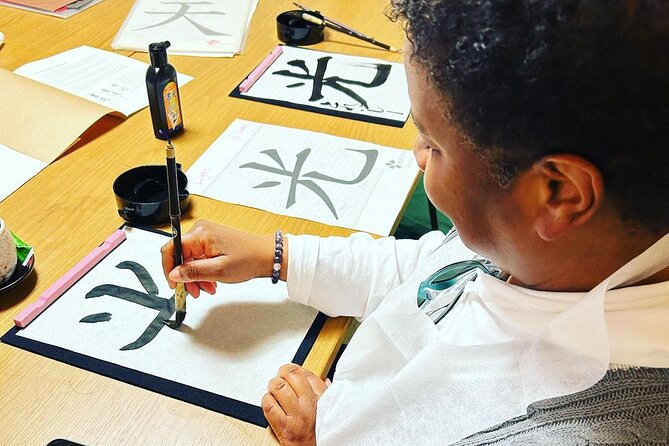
[141, 194]
[292, 29]
[21, 272]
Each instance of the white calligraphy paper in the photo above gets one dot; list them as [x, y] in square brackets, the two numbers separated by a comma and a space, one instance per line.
[230, 344]
[109, 79]
[211, 28]
[319, 177]
[351, 86]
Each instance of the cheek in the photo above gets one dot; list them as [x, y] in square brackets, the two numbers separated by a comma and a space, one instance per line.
[452, 188]
[436, 180]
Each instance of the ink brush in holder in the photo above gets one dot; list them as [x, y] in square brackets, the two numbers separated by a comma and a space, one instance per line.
[175, 220]
[320, 19]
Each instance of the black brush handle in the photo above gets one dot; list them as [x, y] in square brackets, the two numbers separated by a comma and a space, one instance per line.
[173, 201]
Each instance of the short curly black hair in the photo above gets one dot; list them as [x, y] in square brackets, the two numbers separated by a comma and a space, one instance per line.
[526, 78]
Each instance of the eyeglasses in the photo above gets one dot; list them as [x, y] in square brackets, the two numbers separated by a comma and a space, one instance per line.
[439, 293]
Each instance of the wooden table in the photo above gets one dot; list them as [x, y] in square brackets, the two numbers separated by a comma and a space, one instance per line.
[69, 208]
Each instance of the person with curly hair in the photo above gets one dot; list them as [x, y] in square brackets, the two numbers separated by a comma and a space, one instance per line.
[541, 318]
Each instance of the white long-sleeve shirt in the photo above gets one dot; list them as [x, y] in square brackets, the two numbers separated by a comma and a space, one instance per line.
[404, 380]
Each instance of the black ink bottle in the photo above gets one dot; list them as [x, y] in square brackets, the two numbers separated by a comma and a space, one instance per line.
[163, 90]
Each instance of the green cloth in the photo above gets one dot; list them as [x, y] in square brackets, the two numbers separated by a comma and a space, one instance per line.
[416, 219]
[22, 248]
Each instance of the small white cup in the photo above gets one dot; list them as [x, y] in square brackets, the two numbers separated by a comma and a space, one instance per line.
[7, 252]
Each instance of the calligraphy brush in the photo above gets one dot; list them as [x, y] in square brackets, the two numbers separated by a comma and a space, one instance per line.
[342, 28]
[175, 220]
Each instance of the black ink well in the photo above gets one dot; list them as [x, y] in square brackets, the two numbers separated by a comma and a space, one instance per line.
[163, 90]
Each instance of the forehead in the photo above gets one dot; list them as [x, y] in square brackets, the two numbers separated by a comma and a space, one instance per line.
[432, 112]
[429, 107]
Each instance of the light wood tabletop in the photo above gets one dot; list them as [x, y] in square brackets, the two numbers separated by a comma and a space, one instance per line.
[69, 208]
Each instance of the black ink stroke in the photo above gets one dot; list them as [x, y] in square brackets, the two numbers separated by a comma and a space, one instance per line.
[357, 108]
[97, 317]
[335, 82]
[148, 299]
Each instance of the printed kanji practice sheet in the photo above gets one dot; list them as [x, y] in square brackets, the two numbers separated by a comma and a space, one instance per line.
[319, 177]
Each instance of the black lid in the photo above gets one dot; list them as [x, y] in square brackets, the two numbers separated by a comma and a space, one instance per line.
[292, 29]
[158, 53]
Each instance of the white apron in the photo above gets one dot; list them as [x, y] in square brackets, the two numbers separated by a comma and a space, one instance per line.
[404, 380]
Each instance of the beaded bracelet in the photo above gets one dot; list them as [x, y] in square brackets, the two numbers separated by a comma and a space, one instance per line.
[278, 252]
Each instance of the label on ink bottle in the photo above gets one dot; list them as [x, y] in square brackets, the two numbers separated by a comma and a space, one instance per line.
[171, 101]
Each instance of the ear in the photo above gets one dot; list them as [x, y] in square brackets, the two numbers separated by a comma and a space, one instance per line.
[572, 190]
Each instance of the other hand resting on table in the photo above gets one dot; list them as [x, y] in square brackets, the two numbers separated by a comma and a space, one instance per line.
[290, 405]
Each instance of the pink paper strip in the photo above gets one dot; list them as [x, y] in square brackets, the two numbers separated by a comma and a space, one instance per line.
[70, 278]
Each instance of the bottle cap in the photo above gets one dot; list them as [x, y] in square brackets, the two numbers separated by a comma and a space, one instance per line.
[158, 53]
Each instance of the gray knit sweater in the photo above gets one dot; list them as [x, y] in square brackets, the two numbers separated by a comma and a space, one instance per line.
[627, 407]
